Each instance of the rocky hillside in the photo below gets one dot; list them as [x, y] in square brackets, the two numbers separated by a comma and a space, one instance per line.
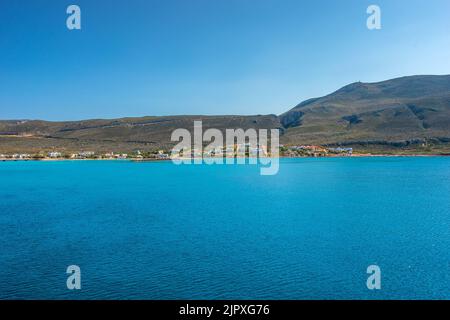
[126, 134]
[397, 112]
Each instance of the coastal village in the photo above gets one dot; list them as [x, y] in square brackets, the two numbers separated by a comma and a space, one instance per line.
[237, 150]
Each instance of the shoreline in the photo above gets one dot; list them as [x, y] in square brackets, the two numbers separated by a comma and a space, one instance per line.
[281, 157]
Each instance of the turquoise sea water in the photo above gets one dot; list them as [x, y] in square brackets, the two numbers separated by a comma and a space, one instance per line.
[160, 231]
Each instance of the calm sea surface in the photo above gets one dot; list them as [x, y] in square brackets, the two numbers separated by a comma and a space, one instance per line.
[160, 231]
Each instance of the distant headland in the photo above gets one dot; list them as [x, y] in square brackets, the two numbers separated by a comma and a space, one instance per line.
[408, 115]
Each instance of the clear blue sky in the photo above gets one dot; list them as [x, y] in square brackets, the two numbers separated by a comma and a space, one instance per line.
[166, 57]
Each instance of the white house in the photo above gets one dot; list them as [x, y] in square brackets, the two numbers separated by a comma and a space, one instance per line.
[54, 154]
